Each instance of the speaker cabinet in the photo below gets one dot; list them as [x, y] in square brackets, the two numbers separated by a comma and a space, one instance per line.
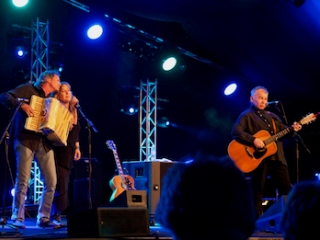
[271, 219]
[109, 222]
[81, 199]
[148, 176]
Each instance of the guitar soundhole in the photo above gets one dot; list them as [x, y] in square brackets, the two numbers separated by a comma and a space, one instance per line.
[258, 153]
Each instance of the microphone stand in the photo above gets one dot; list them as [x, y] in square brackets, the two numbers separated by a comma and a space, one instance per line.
[297, 139]
[89, 127]
[5, 134]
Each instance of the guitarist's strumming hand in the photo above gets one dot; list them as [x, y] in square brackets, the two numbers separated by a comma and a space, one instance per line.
[258, 143]
[296, 126]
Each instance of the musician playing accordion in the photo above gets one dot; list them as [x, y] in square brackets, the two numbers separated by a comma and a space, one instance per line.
[31, 145]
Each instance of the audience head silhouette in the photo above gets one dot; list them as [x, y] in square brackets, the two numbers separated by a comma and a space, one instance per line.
[208, 198]
[300, 219]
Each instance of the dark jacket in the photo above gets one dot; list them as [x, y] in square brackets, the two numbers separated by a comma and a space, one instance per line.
[253, 120]
[30, 139]
[64, 154]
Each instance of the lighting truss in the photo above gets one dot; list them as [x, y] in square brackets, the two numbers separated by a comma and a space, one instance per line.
[148, 120]
[39, 63]
[39, 52]
[78, 5]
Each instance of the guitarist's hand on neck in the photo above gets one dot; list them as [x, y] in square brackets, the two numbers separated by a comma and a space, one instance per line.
[296, 126]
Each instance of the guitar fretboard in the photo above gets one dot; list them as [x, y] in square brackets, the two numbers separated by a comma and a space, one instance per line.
[120, 171]
[277, 136]
[126, 184]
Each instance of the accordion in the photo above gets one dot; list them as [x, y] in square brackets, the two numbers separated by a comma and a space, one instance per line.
[51, 118]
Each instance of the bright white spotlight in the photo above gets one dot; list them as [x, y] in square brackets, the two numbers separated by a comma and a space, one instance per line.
[230, 89]
[132, 110]
[169, 64]
[129, 109]
[163, 122]
[21, 51]
[20, 3]
[95, 32]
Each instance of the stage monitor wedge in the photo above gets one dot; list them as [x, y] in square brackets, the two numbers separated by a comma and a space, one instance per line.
[130, 198]
[109, 222]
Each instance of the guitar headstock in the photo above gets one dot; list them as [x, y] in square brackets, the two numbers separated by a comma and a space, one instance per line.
[308, 119]
[111, 145]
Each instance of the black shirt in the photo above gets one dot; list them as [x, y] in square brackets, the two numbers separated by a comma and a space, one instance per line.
[253, 120]
[28, 138]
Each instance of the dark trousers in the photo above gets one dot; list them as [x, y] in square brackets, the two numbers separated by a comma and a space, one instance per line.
[280, 178]
[64, 163]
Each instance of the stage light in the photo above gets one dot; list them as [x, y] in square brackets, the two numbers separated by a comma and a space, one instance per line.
[129, 109]
[169, 63]
[163, 122]
[20, 3]
[129, 100]
[94, 31]
[20, 51]
[230, 89]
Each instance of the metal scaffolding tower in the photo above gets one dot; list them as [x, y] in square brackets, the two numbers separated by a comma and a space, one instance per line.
[39, 63]
[148, 121]
[39, 48]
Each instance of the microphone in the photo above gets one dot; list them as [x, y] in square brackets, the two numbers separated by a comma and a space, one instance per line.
[23, 100]
[77, 105]
[273, 102]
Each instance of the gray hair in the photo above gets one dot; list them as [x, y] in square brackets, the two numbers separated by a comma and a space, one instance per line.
[257, 88]
[44, 75]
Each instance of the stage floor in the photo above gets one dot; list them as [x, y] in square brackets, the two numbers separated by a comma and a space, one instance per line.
[32, 231]
[156, 232]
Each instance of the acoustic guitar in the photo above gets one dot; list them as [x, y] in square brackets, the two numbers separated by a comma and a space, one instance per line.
[247, 158]
[120, 182]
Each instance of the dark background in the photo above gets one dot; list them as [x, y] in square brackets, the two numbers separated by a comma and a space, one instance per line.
[270, 43]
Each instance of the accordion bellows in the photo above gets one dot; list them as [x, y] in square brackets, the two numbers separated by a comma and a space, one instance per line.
[50, 118]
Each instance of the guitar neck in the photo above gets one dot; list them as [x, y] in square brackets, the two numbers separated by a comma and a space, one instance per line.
[278, 135]
[120, 171]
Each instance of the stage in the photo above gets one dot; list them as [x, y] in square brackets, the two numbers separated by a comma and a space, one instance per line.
[156, 232]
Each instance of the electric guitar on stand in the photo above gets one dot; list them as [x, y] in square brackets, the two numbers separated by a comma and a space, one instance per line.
[247, 158]
[120, 182]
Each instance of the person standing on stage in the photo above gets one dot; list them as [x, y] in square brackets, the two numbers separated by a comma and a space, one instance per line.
[252, 120]
[65, 155]
[31, 145]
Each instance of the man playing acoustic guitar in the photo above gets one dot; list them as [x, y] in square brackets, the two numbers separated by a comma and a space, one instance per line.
[250, 131]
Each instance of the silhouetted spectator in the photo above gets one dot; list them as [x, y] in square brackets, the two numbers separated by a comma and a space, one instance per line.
[300, 219]
[208, 198]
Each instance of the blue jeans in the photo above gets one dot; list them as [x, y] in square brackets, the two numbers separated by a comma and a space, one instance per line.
[46, 163]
